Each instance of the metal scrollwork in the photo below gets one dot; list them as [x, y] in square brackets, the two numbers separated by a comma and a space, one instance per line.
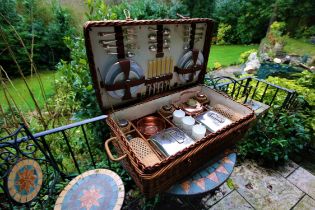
[24, 158]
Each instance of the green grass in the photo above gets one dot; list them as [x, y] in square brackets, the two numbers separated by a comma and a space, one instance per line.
[227, 55]
[48, 78]
[299, 46]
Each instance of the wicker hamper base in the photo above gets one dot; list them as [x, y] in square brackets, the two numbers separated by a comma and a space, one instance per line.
[161, 181]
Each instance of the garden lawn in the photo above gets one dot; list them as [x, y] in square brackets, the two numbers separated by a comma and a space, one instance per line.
[299, 46]
[227, 55]
[48, 79]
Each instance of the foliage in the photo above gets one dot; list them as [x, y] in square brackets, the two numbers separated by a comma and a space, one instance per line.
[275, 33]
[303, 83]
[200, 8]
[217, 65]
[305, 32]
[244, 56]
[150, 9]
[227, 55]
[276, 137]
[250, 19]
[277, 28]
[97, 10]
[41, 27]
[223, 33]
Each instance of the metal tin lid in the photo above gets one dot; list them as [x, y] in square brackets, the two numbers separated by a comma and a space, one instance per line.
[201, 96]
[122, 123]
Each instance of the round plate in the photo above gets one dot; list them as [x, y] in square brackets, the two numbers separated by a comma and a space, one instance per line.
[115, 74]
[24, 181]
[133, 90]
[94, 189]
[186, 61]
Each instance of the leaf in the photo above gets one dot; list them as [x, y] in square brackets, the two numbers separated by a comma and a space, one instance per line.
[230, 183]
[82, 61]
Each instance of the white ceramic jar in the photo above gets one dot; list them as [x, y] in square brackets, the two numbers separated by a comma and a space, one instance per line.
[198, 132]
[178, 115]
[187, 124]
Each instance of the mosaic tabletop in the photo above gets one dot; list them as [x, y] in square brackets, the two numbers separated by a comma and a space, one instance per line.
[24, 181]
[92, 190]
[206, 179]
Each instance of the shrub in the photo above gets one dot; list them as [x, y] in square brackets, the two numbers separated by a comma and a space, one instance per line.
[244, 56]
[223, 33]
[275, 34]
[274, 138]
[217, 65]
[150, 9]
[41, 27]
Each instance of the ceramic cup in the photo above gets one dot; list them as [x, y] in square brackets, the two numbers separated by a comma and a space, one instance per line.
[177, 117]
[187, 124]
[198, 132]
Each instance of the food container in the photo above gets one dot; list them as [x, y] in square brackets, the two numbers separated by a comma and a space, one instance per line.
[138, 66]
[171, 140]
[213, 120]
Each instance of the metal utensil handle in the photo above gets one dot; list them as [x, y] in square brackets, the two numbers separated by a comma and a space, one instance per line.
[109, 153]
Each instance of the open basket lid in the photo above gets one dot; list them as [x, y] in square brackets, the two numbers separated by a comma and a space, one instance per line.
[132, 61]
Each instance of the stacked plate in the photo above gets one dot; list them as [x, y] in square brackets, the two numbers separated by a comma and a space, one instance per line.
[116, 75]
[186, 62]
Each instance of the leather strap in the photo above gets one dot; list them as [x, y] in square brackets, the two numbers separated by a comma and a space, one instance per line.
[159, 39]
[159, 79]
[119, 42]
[125, 67]
[195, 54]
[192, 35]
[188, 70]
[125, 84]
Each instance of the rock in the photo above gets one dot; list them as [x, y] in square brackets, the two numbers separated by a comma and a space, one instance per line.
[310, 61]
[277, 60]
[286, 59]
[278, 49]
[265, 57]
[295, 60]
[252, 63]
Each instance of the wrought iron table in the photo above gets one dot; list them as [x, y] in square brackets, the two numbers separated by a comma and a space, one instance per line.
[207, 179]
[94, 189]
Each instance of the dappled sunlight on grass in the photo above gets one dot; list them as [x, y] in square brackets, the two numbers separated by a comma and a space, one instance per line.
[227, 55]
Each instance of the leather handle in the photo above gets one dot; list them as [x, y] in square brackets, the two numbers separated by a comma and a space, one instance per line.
[109, 153]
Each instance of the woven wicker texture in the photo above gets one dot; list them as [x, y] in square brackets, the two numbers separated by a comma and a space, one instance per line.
[143, 151]
[228, 113]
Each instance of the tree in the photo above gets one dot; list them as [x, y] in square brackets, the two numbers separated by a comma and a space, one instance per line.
[200, 8]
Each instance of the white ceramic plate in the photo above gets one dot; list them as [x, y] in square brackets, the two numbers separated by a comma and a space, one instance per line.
[115, 74]
[186, 62]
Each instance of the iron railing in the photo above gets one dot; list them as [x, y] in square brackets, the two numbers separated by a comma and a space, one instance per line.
[41, 136]
[248, 88]
[244, 89]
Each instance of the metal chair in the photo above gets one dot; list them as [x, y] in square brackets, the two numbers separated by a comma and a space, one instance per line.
[28, 172]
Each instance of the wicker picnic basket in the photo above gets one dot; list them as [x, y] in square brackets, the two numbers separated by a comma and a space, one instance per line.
[161, 83]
